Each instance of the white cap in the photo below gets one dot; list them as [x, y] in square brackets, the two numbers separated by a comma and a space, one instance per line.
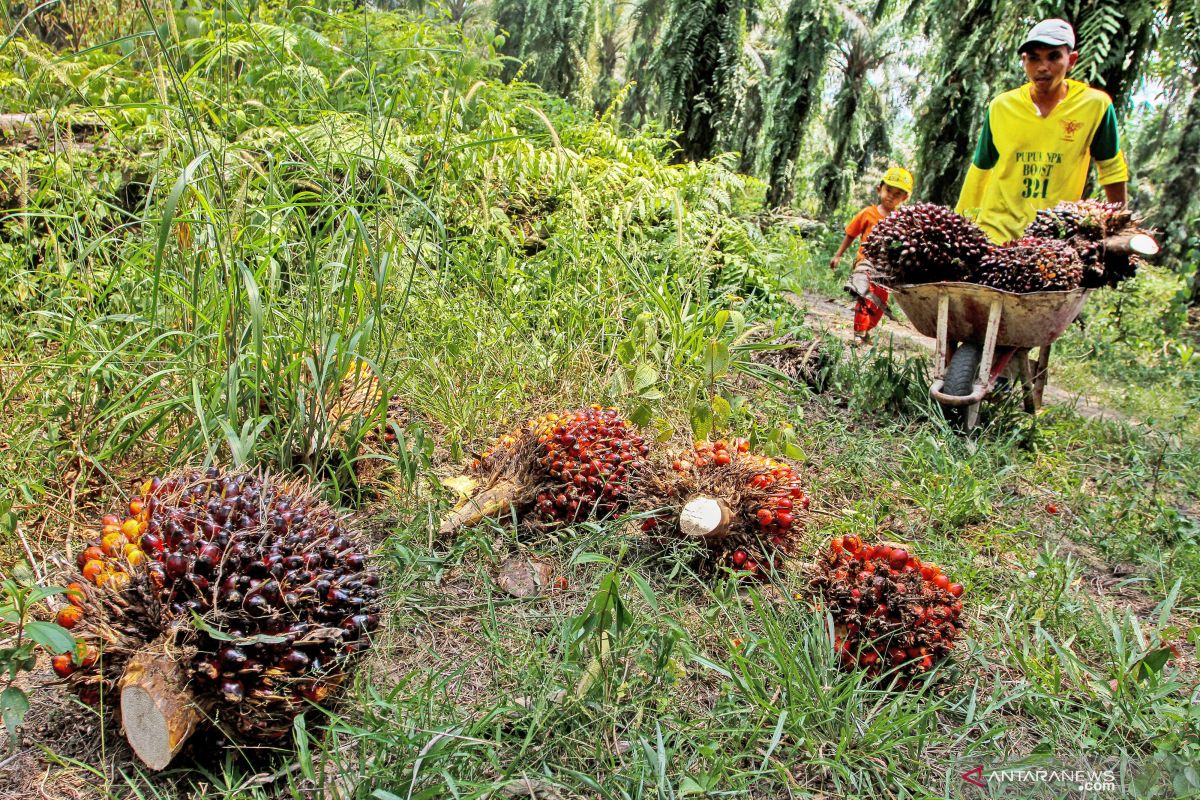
[1054, 32]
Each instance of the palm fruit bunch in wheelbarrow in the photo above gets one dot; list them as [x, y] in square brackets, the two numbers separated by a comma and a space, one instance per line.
[892, 613]
[1087, 225]
[232, 597]
[924, 243]
[746, 510]
[1030, 264]
[560, 467]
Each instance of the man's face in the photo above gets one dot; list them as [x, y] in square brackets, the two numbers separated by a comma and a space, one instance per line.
[1046, 66]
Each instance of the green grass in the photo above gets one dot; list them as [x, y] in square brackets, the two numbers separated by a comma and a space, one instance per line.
[280, 199]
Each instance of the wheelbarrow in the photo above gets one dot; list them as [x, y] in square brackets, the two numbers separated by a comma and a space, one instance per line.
[981, 333]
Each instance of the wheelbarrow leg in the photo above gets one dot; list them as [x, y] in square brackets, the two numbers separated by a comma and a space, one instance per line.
[941, 354]
[985, 363]
[1041, 372]
[1025, 373]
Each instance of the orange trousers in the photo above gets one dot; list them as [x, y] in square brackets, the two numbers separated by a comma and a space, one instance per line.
[868, 311]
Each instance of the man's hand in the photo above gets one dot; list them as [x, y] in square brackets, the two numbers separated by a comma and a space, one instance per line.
[833, 262]
[1117, 192]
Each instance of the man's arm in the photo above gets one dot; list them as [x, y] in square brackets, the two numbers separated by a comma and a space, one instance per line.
[1110, 161]
[1116, 192]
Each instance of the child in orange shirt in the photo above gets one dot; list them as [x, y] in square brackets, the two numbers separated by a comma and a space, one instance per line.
[893, 190]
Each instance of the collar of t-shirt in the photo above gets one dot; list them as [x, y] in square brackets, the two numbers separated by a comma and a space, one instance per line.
[1029, 96]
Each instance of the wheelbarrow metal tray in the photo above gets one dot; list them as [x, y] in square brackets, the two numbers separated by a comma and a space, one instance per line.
[1027, 320]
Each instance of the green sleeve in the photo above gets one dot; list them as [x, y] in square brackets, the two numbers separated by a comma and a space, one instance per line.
[986, 154]
[1106, 143]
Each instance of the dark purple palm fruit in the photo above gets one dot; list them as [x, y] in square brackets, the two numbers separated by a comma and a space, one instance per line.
[1030, 264]
[1085, 224]
[239, 596]
[924, 243]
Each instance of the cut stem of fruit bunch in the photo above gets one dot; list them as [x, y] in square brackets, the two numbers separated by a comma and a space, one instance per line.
[559, 468]
[745, 508]
[705, 518]
[238, 597]
[158, 711]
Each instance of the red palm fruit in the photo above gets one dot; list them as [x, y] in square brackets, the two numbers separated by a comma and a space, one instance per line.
[93, 569]
[62, 665]
[85, 656]
[93, 553]
[69, 616]
[75, 594]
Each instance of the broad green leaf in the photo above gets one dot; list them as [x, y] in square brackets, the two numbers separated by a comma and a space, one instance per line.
[720, 320]
[644, 377]
[50, 636]
[13, 706]
[1153, 662]
[716, 359]
[739, 323]
[39, 593]
[652, 394]
[647, 593]
[641, 415]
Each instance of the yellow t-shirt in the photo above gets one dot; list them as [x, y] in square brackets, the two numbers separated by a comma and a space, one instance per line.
[1025, 162]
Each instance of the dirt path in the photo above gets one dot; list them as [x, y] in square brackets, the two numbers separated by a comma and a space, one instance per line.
[837, 317]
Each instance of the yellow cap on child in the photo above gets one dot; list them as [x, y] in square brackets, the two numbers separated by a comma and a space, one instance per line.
[900, 178]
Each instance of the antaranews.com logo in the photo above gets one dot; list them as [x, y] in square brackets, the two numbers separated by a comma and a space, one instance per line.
[1023, 781]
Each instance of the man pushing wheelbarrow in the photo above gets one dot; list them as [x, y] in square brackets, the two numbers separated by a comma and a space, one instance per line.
[1013, 271]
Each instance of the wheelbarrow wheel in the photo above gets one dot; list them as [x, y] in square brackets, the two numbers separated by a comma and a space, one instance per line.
[963, 369]
[959, 381]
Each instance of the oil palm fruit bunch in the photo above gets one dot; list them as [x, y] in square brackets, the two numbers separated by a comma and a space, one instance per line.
[746, 509]
[1086, 224]
[231, 596]
[1030, 264]
[892, 614]
[924, 243]
[566, 465]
